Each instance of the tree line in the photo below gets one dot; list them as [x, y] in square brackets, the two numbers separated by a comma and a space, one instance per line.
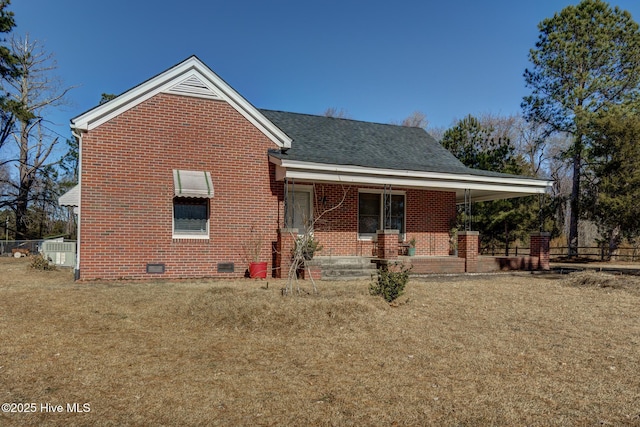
[579, 126]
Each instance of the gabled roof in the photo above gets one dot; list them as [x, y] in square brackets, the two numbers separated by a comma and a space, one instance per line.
[350, 151]
[190, 77]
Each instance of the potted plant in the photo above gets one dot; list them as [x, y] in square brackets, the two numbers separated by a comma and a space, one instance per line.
[306, 246]
[453, 241]
[411, 251]
[302, 252]
[253, 248]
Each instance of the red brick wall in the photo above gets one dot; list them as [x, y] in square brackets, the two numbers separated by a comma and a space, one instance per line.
[428, 218]
[127, 189]
[388, 244]
[438, 265]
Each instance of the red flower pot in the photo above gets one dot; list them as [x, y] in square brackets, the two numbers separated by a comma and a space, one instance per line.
[258, 270]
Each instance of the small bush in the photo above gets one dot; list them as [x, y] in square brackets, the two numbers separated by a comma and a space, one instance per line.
[307, 246]
[39, 262]
[389, 284]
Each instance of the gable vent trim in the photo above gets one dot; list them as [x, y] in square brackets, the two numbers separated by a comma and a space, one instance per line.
[193, 86]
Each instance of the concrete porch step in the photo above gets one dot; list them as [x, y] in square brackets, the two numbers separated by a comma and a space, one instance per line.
[343, 260]
[346, 274]
[345, 268]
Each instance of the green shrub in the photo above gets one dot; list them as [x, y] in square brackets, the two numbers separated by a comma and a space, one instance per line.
[39, 262]
[389, 284]
[307, 246]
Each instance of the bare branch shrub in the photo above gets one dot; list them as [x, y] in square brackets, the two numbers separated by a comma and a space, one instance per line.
[306, 244]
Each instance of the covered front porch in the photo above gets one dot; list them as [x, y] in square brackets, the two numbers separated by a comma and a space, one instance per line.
[376, 214]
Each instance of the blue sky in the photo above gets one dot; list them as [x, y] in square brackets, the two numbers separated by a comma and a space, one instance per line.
[378, 60]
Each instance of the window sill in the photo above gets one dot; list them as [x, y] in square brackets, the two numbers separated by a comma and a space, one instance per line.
[190, 237]
[374, 238]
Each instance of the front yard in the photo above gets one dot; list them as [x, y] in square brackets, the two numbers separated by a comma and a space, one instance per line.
[507, 349]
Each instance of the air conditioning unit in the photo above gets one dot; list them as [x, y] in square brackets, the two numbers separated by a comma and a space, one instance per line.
[60, 253]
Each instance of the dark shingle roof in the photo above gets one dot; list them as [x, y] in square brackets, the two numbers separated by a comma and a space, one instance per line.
[349, 142]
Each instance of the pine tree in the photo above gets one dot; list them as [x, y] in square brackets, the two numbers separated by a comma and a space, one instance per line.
[475, 145]
[587, 58]
[613, 190]
[10, 109]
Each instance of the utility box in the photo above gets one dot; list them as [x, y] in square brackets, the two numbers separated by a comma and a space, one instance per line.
[60, 253]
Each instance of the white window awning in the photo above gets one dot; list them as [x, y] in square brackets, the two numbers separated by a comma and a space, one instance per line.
[192, 183]
[71, 197]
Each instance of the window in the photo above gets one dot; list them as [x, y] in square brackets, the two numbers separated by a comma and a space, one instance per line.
[396, 220]
[192, 191]
[190, 217]
[299, 207]
[371, 213]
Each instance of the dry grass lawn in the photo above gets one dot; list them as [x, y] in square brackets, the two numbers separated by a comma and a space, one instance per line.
[509, 349]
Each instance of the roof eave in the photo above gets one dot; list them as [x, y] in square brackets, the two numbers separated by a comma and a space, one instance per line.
[482, 188]
[364, 170]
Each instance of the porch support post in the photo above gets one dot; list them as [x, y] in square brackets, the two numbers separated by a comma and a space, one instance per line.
[467, 210]
[285, 203]
[388, 244]
[540, 249]
[468, 249]
[284, 248]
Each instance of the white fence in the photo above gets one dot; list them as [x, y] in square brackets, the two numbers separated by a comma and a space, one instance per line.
[59, 252]
[9, 247]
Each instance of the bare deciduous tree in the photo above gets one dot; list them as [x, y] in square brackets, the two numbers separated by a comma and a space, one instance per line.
[437, 132]
[417, 119]
[36, 90]
[529, 139]
[335, 113]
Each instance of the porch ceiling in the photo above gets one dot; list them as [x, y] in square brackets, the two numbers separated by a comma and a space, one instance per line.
[481, 187]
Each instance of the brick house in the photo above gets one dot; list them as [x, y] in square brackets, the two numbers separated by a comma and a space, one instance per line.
[180, 172]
